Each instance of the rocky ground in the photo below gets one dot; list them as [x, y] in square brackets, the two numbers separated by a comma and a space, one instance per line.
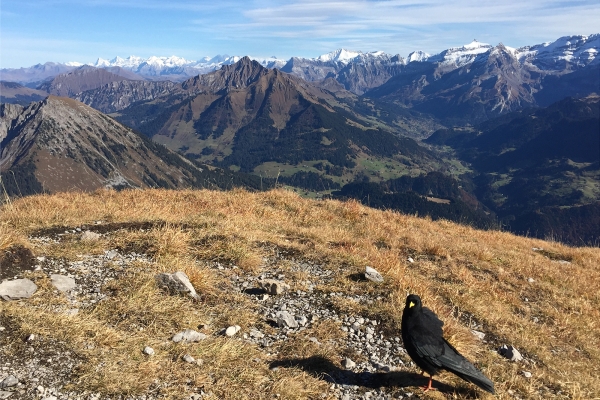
[373, 365]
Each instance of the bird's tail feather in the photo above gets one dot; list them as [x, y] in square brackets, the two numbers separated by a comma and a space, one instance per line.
[457, 364]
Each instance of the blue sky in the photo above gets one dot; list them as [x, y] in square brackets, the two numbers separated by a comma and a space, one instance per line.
[36, 31]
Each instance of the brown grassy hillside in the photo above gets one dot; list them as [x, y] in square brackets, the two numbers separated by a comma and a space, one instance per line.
[468, 277]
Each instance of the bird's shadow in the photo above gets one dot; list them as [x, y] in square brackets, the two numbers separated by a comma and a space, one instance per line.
[323, 368]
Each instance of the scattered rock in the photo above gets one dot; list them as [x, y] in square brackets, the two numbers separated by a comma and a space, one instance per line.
[5, 394]
[189, 336]
[89, 236]
[410, 260]
[17, 289]
[232, 330]
[372, 274]
[63, 283]
[188, 358]
[111, 254]
[255, 333]
[30, 337]
[510, 352]
[302, 320]
[176, 283]
[530, 280]
[527, 374]
[9, 381]
[348, 363]
[478, 335]
[287, 320]
[148, 351]
[273, 286]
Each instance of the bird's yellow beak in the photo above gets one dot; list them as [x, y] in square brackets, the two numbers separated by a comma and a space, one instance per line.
[411, 305]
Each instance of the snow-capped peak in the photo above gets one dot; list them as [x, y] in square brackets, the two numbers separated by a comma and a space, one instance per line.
[339, 55]
[460, 56]
[101, 62]
[417, 56]
[578, 50]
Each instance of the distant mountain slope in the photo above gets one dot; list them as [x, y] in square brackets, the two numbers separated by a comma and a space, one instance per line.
[12, 92]
[118, 95]
[79, 80]
[478, 81]
[245, 115]
[491, 83]
[539, 162]
[60, 144]
[33, 76]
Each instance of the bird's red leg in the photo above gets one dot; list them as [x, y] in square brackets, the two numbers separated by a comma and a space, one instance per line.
[428, 387]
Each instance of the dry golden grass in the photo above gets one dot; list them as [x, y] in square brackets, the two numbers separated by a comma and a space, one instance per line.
[461, 273]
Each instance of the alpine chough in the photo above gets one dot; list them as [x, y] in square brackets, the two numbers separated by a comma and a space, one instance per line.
[424, 342]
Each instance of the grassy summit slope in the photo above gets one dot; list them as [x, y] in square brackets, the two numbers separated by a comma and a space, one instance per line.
[468, 277]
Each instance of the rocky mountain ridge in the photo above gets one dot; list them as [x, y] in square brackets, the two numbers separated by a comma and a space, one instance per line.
[60, 144]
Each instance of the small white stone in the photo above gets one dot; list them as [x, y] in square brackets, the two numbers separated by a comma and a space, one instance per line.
[530, 280]
[63, 283]
[410, 260]
[148, 351]
[372, 275]
[188, 358]
[89, 236]
[527, 374]
[232, 330]
[348, 363]
[9, 381]
[478, 335]
[189, 336]
[17, 289]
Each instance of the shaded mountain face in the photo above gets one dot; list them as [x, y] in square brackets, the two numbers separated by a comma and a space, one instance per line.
[79, 80]
[61, 144]
[478, 82]
[246, 116]
[493, 83]
[35, 75]
[118, 95]
[14, 93]
[532, 165]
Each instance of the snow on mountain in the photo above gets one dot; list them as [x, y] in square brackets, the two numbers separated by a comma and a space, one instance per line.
[577, 50]
[459, 56]
[347, 56]
[339, 55]
[417, 56]
[155, 67]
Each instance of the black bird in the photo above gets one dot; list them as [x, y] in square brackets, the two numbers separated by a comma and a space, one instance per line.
[424, 342]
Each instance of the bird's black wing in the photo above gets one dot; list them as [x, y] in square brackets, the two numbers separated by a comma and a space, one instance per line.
[426, 335]
[454, 362]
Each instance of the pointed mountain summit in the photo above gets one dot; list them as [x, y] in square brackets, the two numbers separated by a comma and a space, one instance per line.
[248, 117]
[234, 76]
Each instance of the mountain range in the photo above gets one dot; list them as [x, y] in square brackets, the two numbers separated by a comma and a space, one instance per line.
[565, 52]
